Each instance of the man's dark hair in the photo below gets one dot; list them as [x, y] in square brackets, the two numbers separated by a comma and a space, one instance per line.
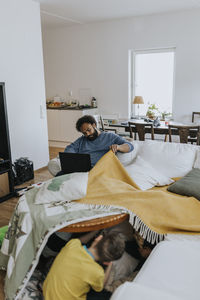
[85, 119]
[110, 247]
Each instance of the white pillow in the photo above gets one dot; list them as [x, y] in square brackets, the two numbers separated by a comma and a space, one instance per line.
[54, 166]
[145, 176]
[197, 159]
[171, 159]
[63, 188]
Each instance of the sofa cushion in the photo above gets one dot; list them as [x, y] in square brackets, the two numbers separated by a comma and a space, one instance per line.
[189, 185]
[171, 159]
[145, 176]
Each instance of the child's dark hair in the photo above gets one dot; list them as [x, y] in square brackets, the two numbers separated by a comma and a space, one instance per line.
[111, 247]
[85, 119]
[149, 245]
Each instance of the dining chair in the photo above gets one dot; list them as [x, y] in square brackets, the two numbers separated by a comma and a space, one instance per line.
[114, 117]
[193, 139]
[141, 130]
[193, 115]
[186, 132]
[102, 125]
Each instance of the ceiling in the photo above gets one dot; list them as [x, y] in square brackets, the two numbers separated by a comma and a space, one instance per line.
[69, 12]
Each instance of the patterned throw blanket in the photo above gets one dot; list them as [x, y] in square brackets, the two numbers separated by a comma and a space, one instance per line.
[110, 190]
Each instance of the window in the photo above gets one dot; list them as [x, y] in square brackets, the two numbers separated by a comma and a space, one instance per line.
[153, 79]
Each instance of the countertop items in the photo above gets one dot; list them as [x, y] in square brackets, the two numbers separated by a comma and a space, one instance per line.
[56, 105]
[66, 107]
[94, 102]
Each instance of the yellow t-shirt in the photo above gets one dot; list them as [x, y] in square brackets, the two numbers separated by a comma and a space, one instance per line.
[72, 274]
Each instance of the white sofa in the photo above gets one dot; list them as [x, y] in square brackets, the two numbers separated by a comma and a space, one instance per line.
[172, 270]
[171, 159]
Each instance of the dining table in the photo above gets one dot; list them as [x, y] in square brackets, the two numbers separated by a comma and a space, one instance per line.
[162, 128]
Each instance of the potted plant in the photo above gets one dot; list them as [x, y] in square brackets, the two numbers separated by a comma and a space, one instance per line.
[152, 111]
[165, 115]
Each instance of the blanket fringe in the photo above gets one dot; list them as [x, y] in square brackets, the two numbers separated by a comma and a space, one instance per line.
[146, 233]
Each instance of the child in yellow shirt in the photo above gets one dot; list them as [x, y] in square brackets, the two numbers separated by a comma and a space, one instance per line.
[75, 269]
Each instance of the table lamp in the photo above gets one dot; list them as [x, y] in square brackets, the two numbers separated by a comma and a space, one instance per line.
[138, 100]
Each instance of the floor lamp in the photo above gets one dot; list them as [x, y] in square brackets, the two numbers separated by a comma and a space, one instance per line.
[138, 100]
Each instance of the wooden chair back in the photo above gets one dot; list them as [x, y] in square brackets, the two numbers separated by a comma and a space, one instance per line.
[103, 126]
[193, 115]
[140, 129]
[102, 123]
[185, 132]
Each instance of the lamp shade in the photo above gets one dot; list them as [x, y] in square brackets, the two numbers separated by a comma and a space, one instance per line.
[138, 100]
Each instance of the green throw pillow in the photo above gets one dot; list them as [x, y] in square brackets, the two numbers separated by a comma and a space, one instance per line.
[189, 185]
[3, 231]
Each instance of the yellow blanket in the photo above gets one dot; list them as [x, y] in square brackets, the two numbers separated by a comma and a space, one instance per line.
[153, 212]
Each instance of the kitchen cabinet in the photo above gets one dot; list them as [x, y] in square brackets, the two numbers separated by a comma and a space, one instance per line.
[62, 124]
[54, 124]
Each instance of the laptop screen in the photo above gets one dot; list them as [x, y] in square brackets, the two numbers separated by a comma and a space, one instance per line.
[74, 162]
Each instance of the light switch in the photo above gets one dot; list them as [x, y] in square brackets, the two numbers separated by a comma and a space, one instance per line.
[41, 112]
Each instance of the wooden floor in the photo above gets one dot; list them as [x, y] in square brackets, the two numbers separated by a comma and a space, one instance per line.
[7, 207]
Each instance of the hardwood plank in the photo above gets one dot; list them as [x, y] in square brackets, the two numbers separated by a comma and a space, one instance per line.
[2, 276]
[7, 207]
[53, 151]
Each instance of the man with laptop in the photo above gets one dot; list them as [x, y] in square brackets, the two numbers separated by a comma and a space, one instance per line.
[81, 156]
[85, 152]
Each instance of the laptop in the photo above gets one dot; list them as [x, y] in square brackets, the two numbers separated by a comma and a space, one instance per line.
[74, 162]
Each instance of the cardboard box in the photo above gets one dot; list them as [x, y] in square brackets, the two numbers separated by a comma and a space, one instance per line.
[4, 185]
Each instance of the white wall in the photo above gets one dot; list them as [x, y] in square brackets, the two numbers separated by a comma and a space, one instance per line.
[96, 56]
[21, 68]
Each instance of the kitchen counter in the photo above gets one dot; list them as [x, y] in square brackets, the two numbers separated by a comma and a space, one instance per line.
[62, 123]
